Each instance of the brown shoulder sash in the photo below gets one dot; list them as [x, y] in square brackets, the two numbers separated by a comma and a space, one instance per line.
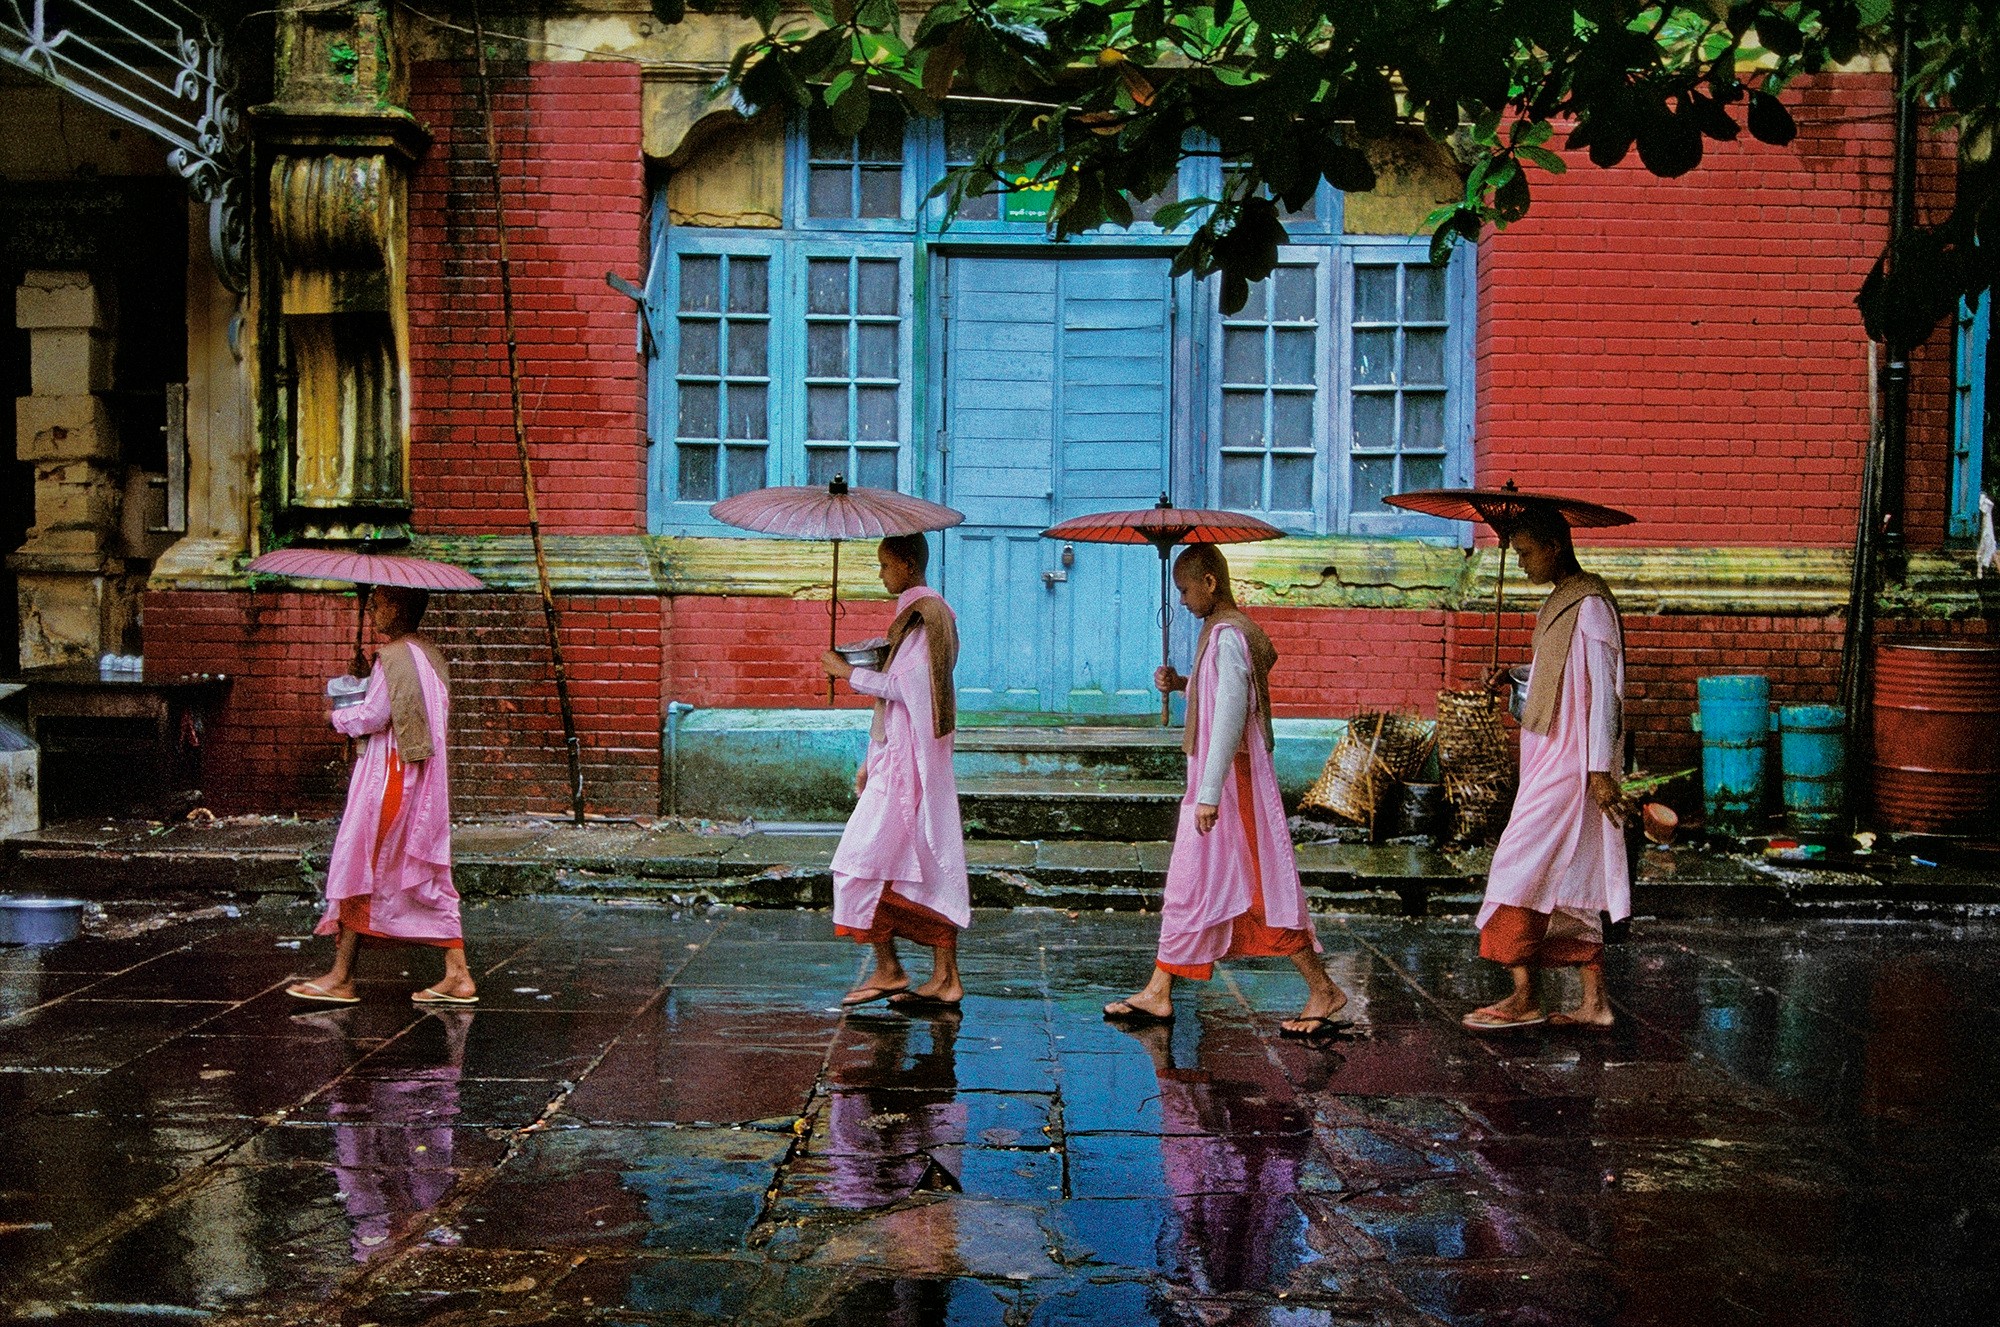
[1263, 658]
[407, 713]
[1555, 628]
[941, 632]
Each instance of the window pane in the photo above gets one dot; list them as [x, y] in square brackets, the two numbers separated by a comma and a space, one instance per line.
[1291, 483]
[749, 285]
[877, 467]
[826, 350]
[830, 192]
[966, 134]
[746, 469]
[1374, 421]
[878, 351]
[825, 143]
[1243, 419]
[698, 405]
[746, 416]
[1253, 308]
[878, 288]
[1423, 294]
[826, 413]
[876, 408]
[1243, 482]
[1292, 355]
[882, 137]
[697, 477]
[1423, 421]
[1292, 419]
[1374, 477]
[986, 207]
[1374, 294]
[1423, 472]
[824, 464]
[747, 346]
[700, 353]
[1423, 356]
[701, 285]
[882, 191]
[1292, 295]
[1374, 358]
[1243, 354]
[826, 285]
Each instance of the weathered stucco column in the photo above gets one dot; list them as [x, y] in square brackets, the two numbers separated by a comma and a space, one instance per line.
[335, 148]
[77, 598]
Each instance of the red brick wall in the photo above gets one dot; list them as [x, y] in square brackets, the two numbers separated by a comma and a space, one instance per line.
[269, 750]
[575, 196]
[1689, 349]
[732, 650]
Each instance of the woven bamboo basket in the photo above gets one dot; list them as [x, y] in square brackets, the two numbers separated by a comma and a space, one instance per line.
[1477, 763]
[1353, 783]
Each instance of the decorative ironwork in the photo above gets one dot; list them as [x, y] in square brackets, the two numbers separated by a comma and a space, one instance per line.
[160, 66]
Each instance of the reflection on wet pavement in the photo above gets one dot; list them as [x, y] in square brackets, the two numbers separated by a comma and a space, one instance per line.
[657, 1116]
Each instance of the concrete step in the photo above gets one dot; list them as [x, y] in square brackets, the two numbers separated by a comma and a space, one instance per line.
[1100, 753]
[1114, 809]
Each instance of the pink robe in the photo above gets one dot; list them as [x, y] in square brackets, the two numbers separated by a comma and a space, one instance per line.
[1208, 877]
[1560, 853]
[409, 881]
[905, 828]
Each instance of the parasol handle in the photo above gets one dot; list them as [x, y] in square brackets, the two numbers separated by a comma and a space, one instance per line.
[360, 664]
[1499, 584]
[1166, 630]
[833, 614]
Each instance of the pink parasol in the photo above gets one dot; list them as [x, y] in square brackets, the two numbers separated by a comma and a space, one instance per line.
[1163, 525]
[363, 569]
[835, 512]
[1502, 508]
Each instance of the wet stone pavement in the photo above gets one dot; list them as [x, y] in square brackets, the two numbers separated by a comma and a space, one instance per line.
[655, 1117]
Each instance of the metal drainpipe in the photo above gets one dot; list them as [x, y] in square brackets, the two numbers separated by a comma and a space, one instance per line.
[675, 709]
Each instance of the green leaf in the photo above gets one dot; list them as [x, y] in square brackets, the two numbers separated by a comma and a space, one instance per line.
[1544, 158]
[671, 12]
[1235, 293]
[1173, 214]
[1769, 121]
[1510, 200]
[1530, 133]
[843, 11]
[880, 15]
[849, 106]
[1149, 20]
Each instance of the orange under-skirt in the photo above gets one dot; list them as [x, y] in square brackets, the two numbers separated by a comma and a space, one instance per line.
[898, 916]
[354, 909]
[1250, 935]
[1519, 938]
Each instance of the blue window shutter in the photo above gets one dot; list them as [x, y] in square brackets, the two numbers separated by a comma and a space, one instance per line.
[1968, 421]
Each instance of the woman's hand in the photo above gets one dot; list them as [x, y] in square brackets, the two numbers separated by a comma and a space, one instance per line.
[835, 666]
[1499, 680]
[1205, 818]
[1610, 798]
[1166, 681]
[861, 780]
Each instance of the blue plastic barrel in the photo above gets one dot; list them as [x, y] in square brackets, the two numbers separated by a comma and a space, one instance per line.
[1735, 725]
[1812, 756]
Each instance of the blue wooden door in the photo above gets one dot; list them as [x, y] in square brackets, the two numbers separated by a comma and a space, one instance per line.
[1057, 404]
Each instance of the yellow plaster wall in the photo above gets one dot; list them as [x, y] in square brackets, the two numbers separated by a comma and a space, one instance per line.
[1413, 175]
[733, 174]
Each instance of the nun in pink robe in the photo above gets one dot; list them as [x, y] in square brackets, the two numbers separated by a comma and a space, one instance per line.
[1560, 866]
[389, 876]
[1233, 887]
[900, 868]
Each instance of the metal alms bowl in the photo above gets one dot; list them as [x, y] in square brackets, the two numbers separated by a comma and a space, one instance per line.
[39, 921]
[866, 653]
[1517, 699]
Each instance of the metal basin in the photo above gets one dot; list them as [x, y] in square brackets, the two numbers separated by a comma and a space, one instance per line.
[865, 654]
[1517, 698]
[345, 691]
[39, 921]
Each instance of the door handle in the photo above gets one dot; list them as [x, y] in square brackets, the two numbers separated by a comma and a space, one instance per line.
[1054, 578]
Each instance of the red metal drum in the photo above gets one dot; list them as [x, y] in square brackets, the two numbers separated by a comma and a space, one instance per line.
[1937, 736]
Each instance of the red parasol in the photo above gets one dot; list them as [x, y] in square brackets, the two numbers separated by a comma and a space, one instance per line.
[1163, 525]
[835, 512]
[1502, 508]
[363, 569]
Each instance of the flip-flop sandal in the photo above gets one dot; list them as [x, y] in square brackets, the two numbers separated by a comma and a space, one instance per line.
[430, 996]
[869, 995]
[1479, 1021]
[312, 993]
[1321, 1027]
[1131, 1013]
[917, 1000]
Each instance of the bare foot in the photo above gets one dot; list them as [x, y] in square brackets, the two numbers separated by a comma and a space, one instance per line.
[458, 988]
[947, 989]
[1583, 1016]
[877, 985]
[323, 988]
[1141, 1006]
[1320, 1008]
